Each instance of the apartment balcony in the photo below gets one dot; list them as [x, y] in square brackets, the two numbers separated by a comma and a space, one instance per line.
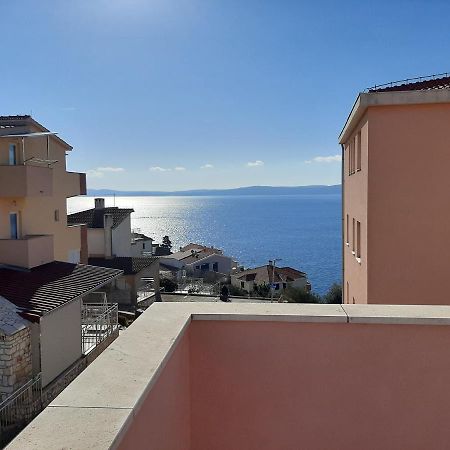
[249, 376]
[75, 184]
[27, 252]
[26, 181]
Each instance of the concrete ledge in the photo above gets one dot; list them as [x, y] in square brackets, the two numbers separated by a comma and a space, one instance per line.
[96, 409]
[398, 314]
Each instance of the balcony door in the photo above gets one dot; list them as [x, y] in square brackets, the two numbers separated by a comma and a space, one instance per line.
[14, 225]
[12, 155]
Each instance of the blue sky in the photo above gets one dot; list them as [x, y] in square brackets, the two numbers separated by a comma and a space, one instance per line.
[179, 94]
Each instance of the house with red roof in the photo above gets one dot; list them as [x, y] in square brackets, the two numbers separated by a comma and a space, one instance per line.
[279, 278]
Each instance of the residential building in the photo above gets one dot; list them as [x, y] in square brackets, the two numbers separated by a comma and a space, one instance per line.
[108, 229]
[42, 284]
[281, 278]
[139, 284]
[224, 376]
[34, 187]
[198, 260]
[50, 299]
[395, 183]
[141, 245]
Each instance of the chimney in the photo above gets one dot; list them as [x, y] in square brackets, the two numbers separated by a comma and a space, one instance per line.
[270, 263]
[99, 203]
[107, 225]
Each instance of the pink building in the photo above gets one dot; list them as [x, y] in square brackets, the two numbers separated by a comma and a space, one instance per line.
[396, 163]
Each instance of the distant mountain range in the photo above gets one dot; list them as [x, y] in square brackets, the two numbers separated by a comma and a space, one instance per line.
[250, 190]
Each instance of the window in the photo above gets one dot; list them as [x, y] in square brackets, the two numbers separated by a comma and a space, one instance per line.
[347, 232]
[216, 267]
[352, 158]
[353, 236]
[12, 155]
[277, 287]
[358, 240]
[14, 226]
[204, 267]
[56, 215]
[358, 151]
[284, 285]
[350, 164]
[242, 285]
[143, 246]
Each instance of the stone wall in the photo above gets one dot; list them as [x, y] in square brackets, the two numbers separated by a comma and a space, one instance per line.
[15, 361]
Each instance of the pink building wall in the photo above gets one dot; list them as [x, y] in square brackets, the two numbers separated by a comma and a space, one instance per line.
[401, 195]
[355, 208]
[409, 214]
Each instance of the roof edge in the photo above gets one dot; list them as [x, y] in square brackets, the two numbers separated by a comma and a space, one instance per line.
[366, 100]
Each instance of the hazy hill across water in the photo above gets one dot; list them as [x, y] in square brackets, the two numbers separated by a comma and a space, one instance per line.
[250, 190]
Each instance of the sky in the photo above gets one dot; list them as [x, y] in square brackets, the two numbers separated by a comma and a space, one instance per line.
[186, 94]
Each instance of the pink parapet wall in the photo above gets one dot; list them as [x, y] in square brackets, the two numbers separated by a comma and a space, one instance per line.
[271, 386]
[164, 418]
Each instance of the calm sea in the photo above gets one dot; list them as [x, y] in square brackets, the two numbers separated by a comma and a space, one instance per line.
[303, 230]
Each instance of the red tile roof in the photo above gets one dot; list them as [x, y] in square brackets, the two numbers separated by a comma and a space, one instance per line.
[416, 84]
[47, 287]
[263, 274]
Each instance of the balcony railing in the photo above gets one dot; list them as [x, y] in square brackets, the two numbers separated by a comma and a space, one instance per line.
[28, 252]
[26, 181]
[20, 408]
[98, 322]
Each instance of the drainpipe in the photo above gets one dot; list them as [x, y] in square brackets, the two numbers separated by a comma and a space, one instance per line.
[108, 223]
[343, 221]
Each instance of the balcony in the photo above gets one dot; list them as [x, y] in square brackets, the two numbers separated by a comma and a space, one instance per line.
[249, 376]
[26, 181]
[75, 184]
[27, 252]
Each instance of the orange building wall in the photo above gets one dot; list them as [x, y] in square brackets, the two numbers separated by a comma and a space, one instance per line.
[409, 208]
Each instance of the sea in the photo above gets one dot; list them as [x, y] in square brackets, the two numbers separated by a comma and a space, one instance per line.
[303, 231]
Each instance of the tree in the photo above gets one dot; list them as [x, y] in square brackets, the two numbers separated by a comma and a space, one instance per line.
[236, 291]
[166, 243]
[168, 285]
[261, 290]
[296, 295]
[334, 294]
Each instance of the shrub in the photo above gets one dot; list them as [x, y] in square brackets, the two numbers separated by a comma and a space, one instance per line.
[334, 294]
[296, 295]
[168, 285]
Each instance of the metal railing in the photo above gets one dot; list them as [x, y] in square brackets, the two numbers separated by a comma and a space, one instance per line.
[98, 321]
[20, 408]
[407, 80]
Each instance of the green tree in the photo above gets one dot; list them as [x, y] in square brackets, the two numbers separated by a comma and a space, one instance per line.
[168, 285]
[334, 294]
[166, 243]
[296, 295]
